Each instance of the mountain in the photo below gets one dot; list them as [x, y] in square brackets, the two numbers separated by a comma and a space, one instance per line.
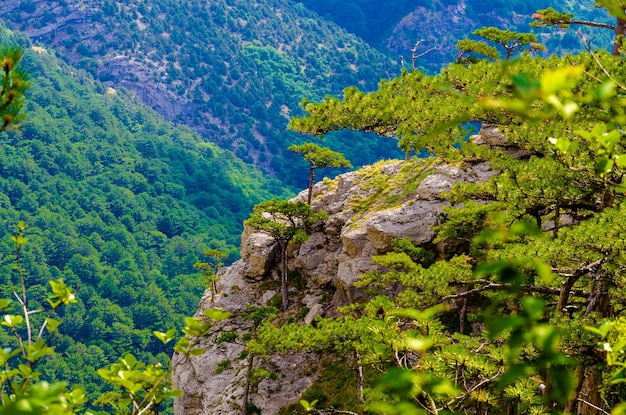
[120, 204]
[235, 71]
[441, 23]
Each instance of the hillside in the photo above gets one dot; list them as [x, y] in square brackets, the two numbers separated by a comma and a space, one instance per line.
[233, 71]
[441, 23]
[118, 203]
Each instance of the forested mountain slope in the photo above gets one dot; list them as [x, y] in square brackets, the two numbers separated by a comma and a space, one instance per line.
[118, 203]
[441, 23]
[233, 70]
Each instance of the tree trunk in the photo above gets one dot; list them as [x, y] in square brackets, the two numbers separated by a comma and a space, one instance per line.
[620, 29]
[566, 288]
[463, 315]
[311, 182]
[283, 277]
[589, 399]
[359, 379]
[246, 392]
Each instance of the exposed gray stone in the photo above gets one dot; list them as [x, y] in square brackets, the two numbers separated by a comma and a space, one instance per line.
[333, 258]
[258, 251]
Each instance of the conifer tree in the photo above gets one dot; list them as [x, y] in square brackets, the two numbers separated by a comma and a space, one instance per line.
[550, 17]
[543, 244]
[319, 158]
[210, 269]
[285, 221]
[509, 40]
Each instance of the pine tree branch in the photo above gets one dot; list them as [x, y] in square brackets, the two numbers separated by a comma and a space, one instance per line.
[492, 286]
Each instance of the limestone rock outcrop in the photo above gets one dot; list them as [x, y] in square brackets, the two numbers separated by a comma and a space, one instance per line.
[366, 209]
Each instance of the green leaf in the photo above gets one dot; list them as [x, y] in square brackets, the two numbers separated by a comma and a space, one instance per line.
[603, 329]
[620, 160]
[25, 370]
[12, 320]
[498, 325]
[61, 294]
[4, 304]
[129, 360]
[604, 166]
[52, 324]
[525, 228]
[419, 344]
[562, 144]
[515, 372]
[165, 337]
[308, 406]
[566, 78]
[216, 314]
[533, 307]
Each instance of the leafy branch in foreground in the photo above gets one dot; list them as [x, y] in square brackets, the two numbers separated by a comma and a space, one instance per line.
[549, 225]
[22, 390]
[142, 387]
[14, 85]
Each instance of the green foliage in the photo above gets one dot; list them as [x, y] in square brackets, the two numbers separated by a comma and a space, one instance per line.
[120, 205]
[210, 269]
[535, 251]
[283, 220]
[550, 17]
[286, 222]
[141, 387]
[237, 62]
[425, 325]
[22, 389]
[466, 46]
[319, 158]
[222, 365]
[509, 40]
[14, 85]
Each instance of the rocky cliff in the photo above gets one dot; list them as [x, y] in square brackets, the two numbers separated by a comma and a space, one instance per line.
[366, 209]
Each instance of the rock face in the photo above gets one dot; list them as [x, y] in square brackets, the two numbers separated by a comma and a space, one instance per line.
[367, 209]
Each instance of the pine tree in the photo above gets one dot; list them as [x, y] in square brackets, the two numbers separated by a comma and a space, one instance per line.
[319, 158]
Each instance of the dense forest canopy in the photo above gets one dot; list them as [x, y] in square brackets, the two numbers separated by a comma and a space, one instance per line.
[119, 204]
[234, 71]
